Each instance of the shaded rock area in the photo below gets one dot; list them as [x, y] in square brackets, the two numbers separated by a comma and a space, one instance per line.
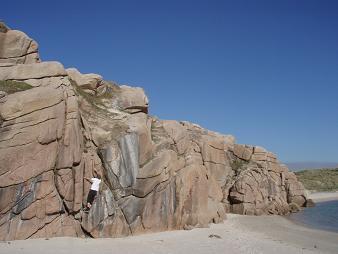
[157, 174]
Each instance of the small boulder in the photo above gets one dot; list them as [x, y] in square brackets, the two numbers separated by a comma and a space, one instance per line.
[294, 208]
[310, 203]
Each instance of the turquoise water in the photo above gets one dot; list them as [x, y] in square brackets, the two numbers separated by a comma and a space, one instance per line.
[323, 216]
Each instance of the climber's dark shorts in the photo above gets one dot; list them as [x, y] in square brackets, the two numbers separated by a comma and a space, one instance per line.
[91, 196]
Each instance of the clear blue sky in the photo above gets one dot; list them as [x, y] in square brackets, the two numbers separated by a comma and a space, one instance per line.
[264, 71]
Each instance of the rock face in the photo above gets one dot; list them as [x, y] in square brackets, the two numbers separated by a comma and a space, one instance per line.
[157, 175]
[16, 47]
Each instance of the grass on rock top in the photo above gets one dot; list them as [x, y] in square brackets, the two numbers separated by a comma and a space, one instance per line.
[98, 101]
[95, 99]
[319, 179]
[11, 86]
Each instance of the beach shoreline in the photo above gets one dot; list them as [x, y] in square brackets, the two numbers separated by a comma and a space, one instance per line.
[237, 234]
[323, 196]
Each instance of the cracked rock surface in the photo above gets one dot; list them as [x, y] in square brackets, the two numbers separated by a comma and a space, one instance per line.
[157, 174]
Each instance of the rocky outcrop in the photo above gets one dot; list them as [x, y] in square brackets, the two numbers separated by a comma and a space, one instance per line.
[85, 81]
[157, 174]
[262, 185]
[16, 47]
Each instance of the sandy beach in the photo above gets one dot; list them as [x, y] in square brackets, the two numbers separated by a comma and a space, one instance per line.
[238, 234]
[323, 196]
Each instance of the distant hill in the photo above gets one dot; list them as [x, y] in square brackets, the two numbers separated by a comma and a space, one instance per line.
[297, 166]
[319, 180]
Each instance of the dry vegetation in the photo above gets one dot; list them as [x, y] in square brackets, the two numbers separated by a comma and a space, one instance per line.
[319, 179]
[10, 86]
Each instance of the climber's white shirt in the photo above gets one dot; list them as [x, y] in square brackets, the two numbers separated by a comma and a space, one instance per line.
[95, 184]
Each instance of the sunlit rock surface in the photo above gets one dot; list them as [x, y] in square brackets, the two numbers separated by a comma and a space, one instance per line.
[157, 174]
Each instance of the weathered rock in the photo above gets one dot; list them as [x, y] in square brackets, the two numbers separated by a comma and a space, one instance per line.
[130, 162]
[48, 81]
[106, 215]
[17, 48]
[26, 102]
[250, 197]
[192, 197]
[157, 171]
[133, 99]
[295, 190]
[156, 175]
[86, 81]
[214, 158]
[243, 152]
[34, 132]
[193, 154]
[32, 71]
[141, 124]
[261, 184]
[178, 133]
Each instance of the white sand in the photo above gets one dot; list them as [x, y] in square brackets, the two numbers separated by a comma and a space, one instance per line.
[323, 196]
[239, 234]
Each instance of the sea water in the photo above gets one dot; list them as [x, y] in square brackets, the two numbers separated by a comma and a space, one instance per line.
[323, 216]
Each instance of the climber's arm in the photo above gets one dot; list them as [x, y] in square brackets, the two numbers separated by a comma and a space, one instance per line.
[88, 179]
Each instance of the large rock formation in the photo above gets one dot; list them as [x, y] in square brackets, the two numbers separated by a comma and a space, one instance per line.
[16, 47]
[157, 174]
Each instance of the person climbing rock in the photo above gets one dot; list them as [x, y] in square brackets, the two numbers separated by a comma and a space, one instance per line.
[93, 191]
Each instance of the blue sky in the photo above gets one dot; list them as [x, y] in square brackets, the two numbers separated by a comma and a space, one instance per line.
[263, 71]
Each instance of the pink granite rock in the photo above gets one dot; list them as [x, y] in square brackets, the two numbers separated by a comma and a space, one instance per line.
[156, 175]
